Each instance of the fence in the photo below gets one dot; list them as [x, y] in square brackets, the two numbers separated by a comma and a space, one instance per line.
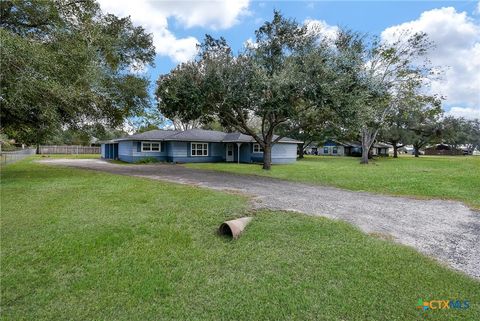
[10, 157]
[73, 149]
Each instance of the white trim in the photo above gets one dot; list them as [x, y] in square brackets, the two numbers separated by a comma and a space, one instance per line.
[196, 149]
[259, 149]
[150, 150]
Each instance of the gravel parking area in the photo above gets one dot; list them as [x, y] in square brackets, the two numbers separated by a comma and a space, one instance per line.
[446, 230]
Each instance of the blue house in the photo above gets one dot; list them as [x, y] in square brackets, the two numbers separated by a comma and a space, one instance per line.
[333, 147]
[196, 146]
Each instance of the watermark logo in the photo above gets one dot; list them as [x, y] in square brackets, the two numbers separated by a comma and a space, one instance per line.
[442, 304]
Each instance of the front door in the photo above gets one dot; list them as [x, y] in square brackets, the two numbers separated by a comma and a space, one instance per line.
[230, 157]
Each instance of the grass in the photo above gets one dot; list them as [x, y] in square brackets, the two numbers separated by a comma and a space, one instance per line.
[86, 245]
[74, 156]
[456, 178]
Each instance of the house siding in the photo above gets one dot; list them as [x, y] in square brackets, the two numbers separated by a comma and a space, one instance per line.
[281, 154]
[340, 150]
[130, 151]
[173, 151]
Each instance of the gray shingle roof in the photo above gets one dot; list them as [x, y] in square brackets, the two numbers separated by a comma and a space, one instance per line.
[201, 135]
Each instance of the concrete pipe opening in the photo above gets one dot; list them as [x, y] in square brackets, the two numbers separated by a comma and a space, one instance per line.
[234, 228]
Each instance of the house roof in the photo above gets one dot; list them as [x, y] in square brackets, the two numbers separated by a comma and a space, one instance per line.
[358, 144]
[199, 135]
[381, 145]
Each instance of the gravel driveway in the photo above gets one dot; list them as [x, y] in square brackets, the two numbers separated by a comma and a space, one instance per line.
[446, 230]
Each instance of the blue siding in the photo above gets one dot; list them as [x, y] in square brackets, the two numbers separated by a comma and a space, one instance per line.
[128, 151]
[281, 154]
[330, 143]
[246, 153]
[125, 148]
[177, 149]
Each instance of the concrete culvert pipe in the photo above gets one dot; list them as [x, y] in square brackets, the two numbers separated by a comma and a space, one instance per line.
[234, 228]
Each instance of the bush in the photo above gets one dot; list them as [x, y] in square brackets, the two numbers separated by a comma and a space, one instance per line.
[147, 160]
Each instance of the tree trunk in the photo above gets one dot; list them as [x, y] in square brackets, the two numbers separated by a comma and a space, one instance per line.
[367, 140]
[395, 149]
[300, 151]
[365, 152]
[267, 156]
[416, 151]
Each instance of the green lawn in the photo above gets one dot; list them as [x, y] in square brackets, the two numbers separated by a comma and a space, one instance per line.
[456, 178]
[85, 245]
[79, 156]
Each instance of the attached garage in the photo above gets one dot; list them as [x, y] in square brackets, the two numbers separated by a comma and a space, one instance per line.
[110, 150]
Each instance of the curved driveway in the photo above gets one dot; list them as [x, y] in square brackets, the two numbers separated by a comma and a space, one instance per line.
[446, 230]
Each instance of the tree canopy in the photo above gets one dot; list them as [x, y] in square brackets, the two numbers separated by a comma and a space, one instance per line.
[271, 88]
[65, 64]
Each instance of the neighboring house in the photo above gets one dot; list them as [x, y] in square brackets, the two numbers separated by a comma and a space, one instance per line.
[443, 149]
[333, 148]
[410, 150]
[311, 149]
[336, 148]
[196, 146]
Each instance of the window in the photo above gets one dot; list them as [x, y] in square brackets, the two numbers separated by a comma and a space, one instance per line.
[257, 148]
[199, 149]
[334, 150]
[151, 147]
[325, 150]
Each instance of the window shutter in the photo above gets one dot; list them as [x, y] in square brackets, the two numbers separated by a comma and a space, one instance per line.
[162, 147]
[139, 146]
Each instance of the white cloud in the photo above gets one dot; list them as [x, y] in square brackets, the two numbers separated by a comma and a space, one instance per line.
[250, 43]
[465, 112]
[321, 26]
[457, 40]
[477, 10]
[153, 16]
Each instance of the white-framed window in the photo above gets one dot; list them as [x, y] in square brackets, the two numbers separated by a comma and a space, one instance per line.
[199, 149]
[325, 150]
[335, 150]
[151, 147]
[257, 148]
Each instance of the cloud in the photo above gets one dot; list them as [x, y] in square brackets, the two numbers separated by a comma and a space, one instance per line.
[321, 26]
[465, 112]
[250, 43]
[154, 15]
[457, 40]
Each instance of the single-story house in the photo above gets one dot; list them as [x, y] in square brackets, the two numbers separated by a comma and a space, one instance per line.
[443, 149]
[333, 147]
[196, 146]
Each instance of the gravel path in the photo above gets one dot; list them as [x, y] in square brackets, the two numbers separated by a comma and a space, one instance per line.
[446, 230]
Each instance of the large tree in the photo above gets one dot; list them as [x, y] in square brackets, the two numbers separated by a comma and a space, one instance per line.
[376, 72]
[409, 109]
[181, 96]
[424, 122]
[273, 84]
[461, 131]
[65, 64]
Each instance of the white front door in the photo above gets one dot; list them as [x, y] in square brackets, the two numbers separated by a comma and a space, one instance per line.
[230, 157]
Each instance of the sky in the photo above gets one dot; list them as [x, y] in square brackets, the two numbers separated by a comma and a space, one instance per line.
[454, 26]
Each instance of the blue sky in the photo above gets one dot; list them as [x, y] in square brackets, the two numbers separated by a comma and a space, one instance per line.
[453, 25]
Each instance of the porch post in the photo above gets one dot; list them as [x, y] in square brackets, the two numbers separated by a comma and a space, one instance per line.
[238, 153]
